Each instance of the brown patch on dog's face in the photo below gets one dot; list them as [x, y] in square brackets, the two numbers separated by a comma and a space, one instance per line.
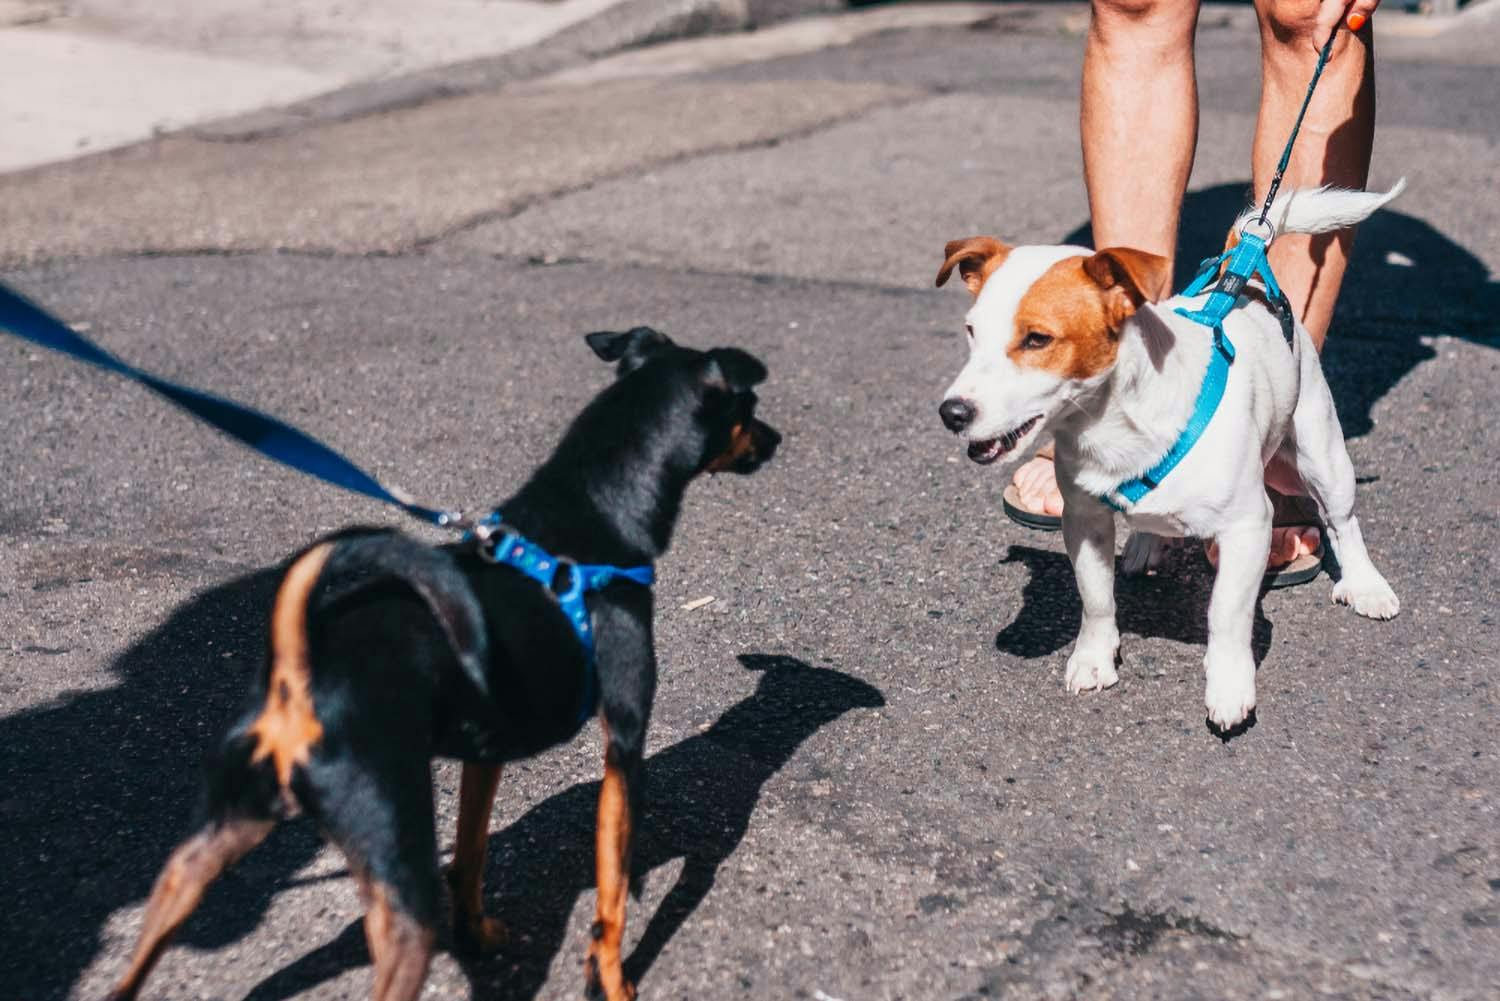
[1068, 322]
[741, 447]
[976, 258]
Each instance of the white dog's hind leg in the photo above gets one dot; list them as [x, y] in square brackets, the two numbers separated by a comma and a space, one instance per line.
[1089, 533]
[1323, 463]
[1229, 665]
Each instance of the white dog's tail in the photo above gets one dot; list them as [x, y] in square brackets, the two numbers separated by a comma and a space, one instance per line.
[1319, 210]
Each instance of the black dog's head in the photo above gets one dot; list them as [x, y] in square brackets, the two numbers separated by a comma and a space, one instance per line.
[709, 396]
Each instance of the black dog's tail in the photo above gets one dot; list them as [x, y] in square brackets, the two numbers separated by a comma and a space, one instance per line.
[288, 726]
[362, 558]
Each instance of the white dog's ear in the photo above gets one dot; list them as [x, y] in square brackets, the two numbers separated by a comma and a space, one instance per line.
[975, 257]
[1129, 278]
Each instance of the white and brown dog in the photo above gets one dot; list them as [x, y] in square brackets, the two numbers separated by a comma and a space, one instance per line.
[1069, 341]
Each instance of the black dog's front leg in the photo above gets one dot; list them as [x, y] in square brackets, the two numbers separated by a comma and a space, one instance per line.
[627, 683]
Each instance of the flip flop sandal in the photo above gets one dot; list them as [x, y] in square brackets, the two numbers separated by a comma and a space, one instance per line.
[1010, 501]
[1296, 511]
[1304, 569]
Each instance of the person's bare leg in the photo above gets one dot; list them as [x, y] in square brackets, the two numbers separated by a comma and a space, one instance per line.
[1139, 126]
[1332, 148]
[1139, 121]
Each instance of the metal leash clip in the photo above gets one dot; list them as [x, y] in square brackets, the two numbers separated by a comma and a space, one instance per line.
[1269, 228]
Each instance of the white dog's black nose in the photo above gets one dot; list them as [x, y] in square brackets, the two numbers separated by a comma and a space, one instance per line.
[957, 413]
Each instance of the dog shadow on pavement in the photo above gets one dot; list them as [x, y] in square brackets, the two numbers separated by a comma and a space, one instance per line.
[100, 785]
[1172, 604]
[700, 796]
[1405, 281]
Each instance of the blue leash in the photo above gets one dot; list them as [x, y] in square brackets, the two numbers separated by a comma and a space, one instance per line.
[270, 437]
[285, 444]
[1241, 263]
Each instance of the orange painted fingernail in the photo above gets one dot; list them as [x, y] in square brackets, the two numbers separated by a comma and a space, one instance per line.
[1355, 21]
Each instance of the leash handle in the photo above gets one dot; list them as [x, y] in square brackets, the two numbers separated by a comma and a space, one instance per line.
[273, 438]
[1286, 154]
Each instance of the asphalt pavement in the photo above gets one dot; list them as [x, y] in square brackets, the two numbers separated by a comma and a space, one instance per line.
[866, 780]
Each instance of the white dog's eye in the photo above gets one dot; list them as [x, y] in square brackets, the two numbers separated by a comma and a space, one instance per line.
[1035, 340]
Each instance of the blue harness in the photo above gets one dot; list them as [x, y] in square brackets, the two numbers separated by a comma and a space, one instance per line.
[287, 445]
[502, 545]
[1242, 262]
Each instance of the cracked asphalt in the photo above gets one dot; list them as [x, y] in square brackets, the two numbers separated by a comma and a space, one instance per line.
[866, 779]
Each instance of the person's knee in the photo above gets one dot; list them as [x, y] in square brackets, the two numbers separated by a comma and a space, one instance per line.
[1163, 22]
[1289, 21]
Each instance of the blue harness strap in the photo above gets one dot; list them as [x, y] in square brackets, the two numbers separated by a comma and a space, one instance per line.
[1242, 262]
[500, 545]
[1209, 395]
[267, 435]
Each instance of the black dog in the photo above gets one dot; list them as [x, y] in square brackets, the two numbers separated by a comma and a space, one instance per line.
[385, 653]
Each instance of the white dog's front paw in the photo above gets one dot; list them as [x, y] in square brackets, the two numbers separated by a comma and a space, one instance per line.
[1230, 695]
[1369, 595]
[1091, 669]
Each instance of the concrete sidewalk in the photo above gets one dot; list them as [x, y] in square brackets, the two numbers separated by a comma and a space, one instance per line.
[97, 74]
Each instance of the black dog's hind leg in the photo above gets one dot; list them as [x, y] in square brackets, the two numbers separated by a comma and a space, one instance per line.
[375, 802]
[195, 863]
[400, 944]
[476, 796]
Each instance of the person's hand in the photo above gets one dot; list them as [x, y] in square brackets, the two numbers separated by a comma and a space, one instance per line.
[1330, 12]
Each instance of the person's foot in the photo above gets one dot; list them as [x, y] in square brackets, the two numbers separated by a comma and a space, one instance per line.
[1289, 543]
[1036, 481]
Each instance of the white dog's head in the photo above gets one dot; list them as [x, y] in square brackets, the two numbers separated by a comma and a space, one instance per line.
[1044, 328]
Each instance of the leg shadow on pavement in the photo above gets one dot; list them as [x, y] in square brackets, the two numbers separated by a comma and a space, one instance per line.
[100, 785]
[1406, 281]
[700, 795]
[1172, 604]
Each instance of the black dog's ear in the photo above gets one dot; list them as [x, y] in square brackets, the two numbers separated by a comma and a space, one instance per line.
[734, 369]
[633, 345]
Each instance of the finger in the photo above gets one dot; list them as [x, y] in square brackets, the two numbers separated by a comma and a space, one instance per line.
[1359, 13]
[1330, 13]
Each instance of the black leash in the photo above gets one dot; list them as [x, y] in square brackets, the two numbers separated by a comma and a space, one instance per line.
[270, 437]
[1286, 154]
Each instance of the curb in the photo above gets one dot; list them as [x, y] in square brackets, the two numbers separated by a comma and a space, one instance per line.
[628, 24]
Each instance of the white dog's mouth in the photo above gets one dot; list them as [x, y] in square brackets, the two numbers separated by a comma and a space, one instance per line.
[987, 451]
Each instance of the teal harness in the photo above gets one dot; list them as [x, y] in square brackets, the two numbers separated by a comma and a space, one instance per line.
[1242, 262]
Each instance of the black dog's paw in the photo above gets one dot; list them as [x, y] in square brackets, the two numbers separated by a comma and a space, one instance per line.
[481, 935]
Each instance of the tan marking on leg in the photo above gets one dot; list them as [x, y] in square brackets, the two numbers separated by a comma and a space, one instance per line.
[288, 726]
[611, 841]
[476, 797]
[400, 948]
[195, 864]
